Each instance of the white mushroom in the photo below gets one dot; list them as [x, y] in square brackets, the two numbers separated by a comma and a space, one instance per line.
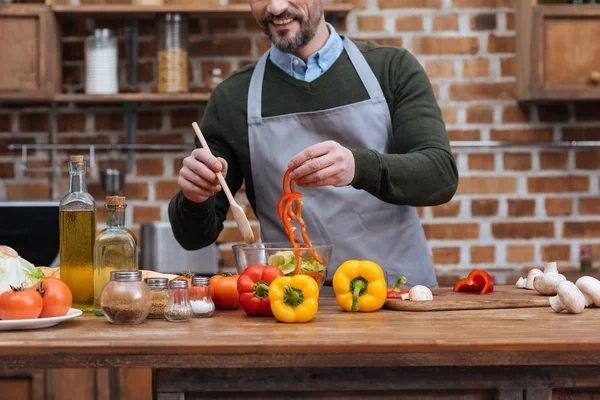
[551, 268]
[546, 284]
[569, 298]
[590, 287]
[420, 293]
[405, 296]
[521, 283]
[531, 276]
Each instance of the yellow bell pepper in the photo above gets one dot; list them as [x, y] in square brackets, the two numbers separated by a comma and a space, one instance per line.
[294, 298]
[360, 286]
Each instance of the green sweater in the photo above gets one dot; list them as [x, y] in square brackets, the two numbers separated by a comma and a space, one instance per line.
[420, 172]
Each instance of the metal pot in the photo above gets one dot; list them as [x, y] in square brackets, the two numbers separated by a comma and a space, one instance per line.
[112, 180]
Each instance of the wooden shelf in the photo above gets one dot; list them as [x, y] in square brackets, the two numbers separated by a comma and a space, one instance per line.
[134, 97]
[230, 10]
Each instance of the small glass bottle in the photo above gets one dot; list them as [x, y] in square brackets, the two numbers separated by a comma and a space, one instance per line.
[77, 232]
[202, 304]
[585, 259]
[126, 300]
[178, 307]
[115, 248]
[213, 79]
[160, 296]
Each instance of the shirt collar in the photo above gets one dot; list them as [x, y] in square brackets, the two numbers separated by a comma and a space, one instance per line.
[325, 57]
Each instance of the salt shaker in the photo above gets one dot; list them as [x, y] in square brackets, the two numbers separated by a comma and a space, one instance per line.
[202, 304]
[178, 307]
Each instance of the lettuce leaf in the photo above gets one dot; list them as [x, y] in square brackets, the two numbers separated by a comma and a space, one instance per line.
[286, 262]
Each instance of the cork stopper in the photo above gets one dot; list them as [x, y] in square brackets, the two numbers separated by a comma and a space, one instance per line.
[115, 200]
[76, 159]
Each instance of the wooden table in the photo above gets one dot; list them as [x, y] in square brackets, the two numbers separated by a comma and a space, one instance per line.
[508, 354]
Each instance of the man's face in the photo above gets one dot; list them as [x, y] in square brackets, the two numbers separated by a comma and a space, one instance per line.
[290, 24]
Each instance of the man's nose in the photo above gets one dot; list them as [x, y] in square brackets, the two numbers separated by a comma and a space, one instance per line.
[277, 7]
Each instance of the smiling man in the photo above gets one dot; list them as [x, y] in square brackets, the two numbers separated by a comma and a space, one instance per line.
[356, 123]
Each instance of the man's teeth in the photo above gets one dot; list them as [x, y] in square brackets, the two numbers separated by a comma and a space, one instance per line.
[283, 21]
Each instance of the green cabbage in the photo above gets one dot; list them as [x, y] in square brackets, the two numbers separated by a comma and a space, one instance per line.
[15, 271]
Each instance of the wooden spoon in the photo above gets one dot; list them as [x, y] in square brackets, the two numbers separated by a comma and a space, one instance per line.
[236, 209]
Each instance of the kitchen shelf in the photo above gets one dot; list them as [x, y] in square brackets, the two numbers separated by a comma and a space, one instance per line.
[233, 10]
[132, 97]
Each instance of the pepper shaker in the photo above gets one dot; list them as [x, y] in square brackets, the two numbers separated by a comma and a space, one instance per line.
[178, 307]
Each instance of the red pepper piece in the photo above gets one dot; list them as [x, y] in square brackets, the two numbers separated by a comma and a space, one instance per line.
[396, 291]
[253, 288]
[477, 281]
[317, 276]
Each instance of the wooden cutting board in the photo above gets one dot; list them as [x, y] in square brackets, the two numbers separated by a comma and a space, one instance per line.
[444, 299]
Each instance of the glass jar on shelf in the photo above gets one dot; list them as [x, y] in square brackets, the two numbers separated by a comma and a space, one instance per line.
[101, 63]
[213, 79]
[115, 248]
[179, 308]
[172, 54]
[126, 300]
[160, 297]
[202, 304]
[77, 232]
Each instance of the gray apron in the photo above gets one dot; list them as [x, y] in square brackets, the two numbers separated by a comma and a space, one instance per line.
[359, 225]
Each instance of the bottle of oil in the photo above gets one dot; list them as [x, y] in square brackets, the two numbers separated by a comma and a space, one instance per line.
[77, 226]
[115, 248]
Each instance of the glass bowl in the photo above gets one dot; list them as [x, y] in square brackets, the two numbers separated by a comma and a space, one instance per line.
[259, 253]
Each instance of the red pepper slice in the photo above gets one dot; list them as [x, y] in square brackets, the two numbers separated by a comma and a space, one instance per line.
[477, 281]
[317, 276]
[396, 291]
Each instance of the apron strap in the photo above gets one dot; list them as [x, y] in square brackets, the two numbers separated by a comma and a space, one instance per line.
[365, 72]
[255, 90]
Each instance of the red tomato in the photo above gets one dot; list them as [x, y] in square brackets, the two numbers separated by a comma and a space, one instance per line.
[224, 292]
[56, 296]
[20, 304]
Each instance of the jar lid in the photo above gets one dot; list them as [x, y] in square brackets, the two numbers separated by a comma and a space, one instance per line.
[103, 33]
[200, 280]
[178, 284]
[76, 159]
[126, 275]
[159, 283]
[173, 17]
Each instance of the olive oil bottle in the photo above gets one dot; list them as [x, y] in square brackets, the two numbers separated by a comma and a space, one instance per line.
[77, 224]
[115, 248]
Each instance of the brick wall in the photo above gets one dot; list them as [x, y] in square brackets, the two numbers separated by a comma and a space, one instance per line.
[515, 208]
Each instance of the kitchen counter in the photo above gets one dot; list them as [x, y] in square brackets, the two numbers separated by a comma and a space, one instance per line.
[506, 352]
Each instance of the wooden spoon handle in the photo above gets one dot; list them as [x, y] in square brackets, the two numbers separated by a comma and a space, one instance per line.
[219, 175]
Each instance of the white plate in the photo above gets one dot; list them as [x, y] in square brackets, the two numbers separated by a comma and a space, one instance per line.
[37, 323]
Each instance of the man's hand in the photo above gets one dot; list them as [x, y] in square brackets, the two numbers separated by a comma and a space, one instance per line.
[323, 164]
[197, 178]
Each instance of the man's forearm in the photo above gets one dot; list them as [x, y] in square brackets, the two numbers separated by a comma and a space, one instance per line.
[195, 225]
[428, 177]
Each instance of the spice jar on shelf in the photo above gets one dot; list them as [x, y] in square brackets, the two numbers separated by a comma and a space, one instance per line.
[585, 259]
[172, 53]
[101, 63]
[202, 304]
[179, 308]
[126, 299]
[213, 79]
[160, 296]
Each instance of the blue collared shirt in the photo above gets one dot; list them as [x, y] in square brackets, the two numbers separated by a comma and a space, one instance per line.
[316, 64]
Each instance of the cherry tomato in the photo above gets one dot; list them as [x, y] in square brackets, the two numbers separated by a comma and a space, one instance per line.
[56, 297]
[19, 303]
[224, 291]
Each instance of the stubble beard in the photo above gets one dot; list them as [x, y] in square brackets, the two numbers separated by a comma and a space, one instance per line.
[308, 29]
